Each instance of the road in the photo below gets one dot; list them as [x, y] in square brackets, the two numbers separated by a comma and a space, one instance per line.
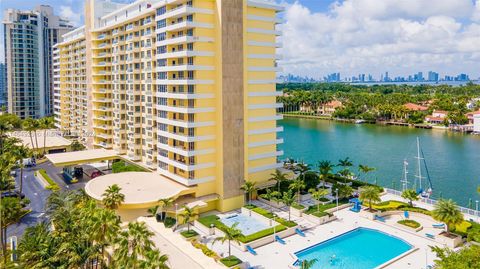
[38, 196]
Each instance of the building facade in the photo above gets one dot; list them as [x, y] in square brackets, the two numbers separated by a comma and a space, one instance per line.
[3, 93]
[29, 39]
[187, 87]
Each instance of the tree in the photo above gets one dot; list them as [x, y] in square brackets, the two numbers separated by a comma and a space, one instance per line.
[311, 180]
[31, 125]
[297, 185]
[318, 195]
[249, 187]
[308, 264]
[154, 260]
[302, 168]
[345, 164]
[188, 214]
[45, 124]
[288, 199]
[5, 126]
[164, 203]
[344, 191]
[410, 195]
[465, 258]
[370, 194]
[21, 152]
[77, 146]
[365, 169]
[447, 212]
[132, 246]
[325, 168]
[103, 229]
[7, 162]
[11, 210]
[112, 198]
[278, 177]
[231, 234]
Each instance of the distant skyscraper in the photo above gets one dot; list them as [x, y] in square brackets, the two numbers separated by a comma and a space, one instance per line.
[420, 76]
[3, 95]
[432, 76]
[29, 37]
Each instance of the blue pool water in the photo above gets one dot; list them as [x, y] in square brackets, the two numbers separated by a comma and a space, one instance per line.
[246, 224]
[361, 248]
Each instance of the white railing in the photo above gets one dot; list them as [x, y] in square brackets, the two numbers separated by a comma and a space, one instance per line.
[429, 201]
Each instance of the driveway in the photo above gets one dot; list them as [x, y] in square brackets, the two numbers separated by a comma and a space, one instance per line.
[38, 196]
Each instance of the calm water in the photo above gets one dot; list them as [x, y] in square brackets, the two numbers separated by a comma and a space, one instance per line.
[453, 159]
[358, 249]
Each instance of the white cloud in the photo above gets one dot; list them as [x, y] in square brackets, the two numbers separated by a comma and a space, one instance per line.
[372, 36]
[68, 13]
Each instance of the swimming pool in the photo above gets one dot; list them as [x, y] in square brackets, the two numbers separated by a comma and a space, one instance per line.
[248, 225]
[361, 248]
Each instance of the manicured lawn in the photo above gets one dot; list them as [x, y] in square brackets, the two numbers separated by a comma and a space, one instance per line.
[189, 234]
[269, 215]
[122, 166]
[230, 261]
[298, 206]
[409, 223]
[315, 208]
[52, 185]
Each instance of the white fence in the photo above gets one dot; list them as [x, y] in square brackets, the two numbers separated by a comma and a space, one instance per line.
[429, 201]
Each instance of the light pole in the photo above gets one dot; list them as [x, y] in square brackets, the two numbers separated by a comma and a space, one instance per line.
[476, 209]
[274, 228]
[337, 198]
[176, 216]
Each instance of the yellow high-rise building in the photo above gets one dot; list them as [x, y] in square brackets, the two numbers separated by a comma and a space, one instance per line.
[187, 87]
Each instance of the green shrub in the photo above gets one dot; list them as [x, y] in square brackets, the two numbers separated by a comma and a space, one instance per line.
[230, 261]
[409, 223]
[52, 185]
[123, 166]
[169, 222]
[473, 233]
[189, 234]
[269, 215]
[205, 250]
[298, 206]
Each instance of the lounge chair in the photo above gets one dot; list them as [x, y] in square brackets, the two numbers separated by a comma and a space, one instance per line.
[382, 219]
[298, 231]
[438, 226]
[431, 236]
[251, 250]
[279, 240]
[406, 214]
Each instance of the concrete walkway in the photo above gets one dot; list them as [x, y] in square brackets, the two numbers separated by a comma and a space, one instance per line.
[181, 253]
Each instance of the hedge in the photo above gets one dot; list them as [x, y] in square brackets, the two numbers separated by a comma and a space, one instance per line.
[169, 222]
[52, 185]
[409, 223]
[269, 215]
[189, 234]
[230, 261]
[208, 252]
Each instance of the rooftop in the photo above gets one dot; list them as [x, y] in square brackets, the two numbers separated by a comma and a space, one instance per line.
[81, 157]
[138, 187]
[53, 139]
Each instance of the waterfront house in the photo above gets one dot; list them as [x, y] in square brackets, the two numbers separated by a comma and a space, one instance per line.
[476, 123]
[471, 116]
[330, 107]
[415, 107]
[437, 117]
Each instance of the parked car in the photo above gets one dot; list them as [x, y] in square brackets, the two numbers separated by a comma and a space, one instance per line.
[13, 194]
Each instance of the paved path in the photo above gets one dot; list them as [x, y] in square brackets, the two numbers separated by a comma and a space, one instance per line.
[176, 247]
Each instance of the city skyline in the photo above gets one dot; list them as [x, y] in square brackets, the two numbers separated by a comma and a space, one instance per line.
[356, 36]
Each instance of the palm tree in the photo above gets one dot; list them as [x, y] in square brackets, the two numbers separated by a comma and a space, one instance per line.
[410, 195]
[188, 214]
[32, 125]
[307, 264]
[278, 177]
[104, 227]
[5, 126]
[10, 212]
[302, 168]
[298, 185]
[154, 260]
[318, 195]
[132, 245]
[164, 203]
[447, 212]
[45, 124]
[20, 152]
[112, 198]
[325, 168]
[230, 234]
[288, 199]
[345, 164]
[365, 169]
[249, 187]
[370, 194]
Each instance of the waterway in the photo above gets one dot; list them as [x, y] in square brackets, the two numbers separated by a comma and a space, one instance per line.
[453, 159]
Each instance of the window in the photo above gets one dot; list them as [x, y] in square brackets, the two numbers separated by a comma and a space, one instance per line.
[161, 10]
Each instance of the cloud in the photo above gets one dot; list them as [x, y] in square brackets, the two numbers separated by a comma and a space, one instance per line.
[68, 13]
[371, 36]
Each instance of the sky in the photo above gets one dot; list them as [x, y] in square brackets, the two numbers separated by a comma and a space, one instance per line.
[359, 36]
